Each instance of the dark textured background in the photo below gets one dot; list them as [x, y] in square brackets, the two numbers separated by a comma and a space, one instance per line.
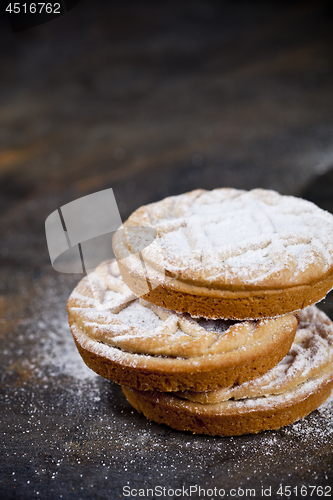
[151, 99]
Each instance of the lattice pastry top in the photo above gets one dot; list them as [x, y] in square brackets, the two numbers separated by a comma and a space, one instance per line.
[229, 237]
[110, 313]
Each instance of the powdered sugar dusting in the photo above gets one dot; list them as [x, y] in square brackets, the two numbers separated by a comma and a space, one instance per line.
[137, 315]
[52, 350]
[113, 317]
[236, 237]
[59, 355]
[68, 418]
[326, 409]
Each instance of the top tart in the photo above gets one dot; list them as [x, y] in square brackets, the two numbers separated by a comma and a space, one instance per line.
[229, 253]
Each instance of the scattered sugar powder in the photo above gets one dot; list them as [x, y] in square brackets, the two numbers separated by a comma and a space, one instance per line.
[57, 354]
[89, 431]
[52, 349]
[326, 409]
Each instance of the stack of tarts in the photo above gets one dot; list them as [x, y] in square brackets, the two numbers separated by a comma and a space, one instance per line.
[211, 328]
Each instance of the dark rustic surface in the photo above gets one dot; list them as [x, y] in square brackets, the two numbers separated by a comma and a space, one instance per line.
[150, 99]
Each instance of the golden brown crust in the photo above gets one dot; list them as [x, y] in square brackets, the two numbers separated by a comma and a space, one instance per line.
[231, 304]
[287, 392]
[137, 344]
[274, 255]
[169, 374]
[188, 416]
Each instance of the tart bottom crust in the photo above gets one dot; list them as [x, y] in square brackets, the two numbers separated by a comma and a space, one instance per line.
[212, 420]
[154, 373]
[214, 303]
